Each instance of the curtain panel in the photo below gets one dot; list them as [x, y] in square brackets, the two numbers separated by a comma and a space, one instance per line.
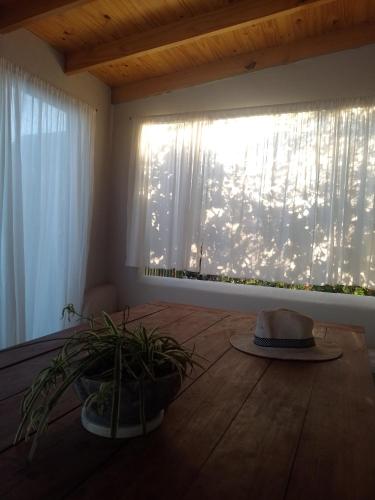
[46, 157]
[279, 194]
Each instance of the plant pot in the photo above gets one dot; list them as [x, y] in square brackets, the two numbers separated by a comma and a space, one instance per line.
[158, 394]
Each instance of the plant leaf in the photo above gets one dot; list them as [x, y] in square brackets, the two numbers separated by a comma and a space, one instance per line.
[116, 391]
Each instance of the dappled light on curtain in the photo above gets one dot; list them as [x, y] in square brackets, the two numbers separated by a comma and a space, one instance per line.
[46, 140]
[279, 195]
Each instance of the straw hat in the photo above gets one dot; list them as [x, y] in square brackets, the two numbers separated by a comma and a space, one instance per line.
[285, 334]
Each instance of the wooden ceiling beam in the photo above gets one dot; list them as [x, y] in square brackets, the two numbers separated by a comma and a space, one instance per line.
[241, 14]
[15, 14]
[343, 39]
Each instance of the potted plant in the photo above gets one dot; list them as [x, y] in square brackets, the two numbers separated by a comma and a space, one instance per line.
[125, 379]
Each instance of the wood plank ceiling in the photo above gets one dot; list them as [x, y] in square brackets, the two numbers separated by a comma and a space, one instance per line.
[147, 47]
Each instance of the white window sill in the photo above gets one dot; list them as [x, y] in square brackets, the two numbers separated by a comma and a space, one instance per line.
[256, 291]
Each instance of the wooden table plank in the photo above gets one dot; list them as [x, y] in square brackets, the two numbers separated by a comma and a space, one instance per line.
[10, 477]
[17, 377]
[165, 317]
[69, 452]
[164, 465]
[198, 323]
[254, 458]
[10, 415]
[27, 350]
[214, 342]
[230, 383]
[236, 421]
[187, 328]
[335, 458]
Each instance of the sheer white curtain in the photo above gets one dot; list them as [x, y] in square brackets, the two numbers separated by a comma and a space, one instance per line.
[167, 200]
[46, 149]
[279, 194]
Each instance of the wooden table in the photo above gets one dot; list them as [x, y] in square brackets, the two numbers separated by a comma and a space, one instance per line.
[242, 428]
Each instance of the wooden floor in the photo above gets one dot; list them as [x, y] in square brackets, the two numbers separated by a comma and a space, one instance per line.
[242, 428]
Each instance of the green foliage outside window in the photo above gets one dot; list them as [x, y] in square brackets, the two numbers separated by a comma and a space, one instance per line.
[175, 273]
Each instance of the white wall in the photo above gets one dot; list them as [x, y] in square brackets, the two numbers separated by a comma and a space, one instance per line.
[35, 56]
[345, 74]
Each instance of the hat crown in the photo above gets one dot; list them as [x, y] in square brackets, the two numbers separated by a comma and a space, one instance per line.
[285, 334]
[283, 324]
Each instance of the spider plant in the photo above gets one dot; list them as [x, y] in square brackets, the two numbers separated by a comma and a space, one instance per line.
[117, 353]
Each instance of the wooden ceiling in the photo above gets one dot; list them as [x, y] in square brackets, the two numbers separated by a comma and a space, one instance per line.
[147, 47]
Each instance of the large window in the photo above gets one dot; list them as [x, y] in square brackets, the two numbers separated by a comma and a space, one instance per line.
[46, 142]
[283, 194]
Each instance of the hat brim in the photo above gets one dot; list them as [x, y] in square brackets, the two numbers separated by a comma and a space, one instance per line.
[322, 351]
